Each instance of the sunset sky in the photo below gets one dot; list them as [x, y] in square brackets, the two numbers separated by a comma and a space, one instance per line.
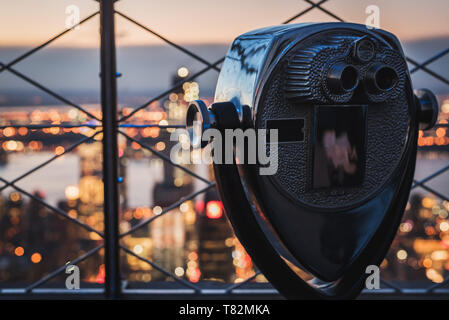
[31, 22]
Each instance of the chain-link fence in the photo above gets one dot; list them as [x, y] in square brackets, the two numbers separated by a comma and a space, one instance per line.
[131, 258]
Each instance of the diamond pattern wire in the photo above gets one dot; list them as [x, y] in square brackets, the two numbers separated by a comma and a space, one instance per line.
[210, 184]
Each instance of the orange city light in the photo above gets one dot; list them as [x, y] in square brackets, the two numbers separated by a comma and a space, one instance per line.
[36, 257]
[19, 251]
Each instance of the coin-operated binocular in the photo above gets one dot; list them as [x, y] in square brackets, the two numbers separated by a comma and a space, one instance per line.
[340, 98]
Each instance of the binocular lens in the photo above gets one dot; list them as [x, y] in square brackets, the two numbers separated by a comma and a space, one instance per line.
[349, 78]
[342, 78]
[386, 78]
[381, 78]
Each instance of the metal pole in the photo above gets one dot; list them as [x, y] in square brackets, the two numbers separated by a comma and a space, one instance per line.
[110, 154]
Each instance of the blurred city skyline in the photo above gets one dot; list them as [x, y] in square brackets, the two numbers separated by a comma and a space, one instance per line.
[147, 71]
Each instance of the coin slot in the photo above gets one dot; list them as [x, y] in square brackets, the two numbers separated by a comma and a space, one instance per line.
[289, 130]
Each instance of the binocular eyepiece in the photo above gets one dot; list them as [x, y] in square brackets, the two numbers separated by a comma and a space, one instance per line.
[342, 78]
[334, 69]
[379, 78]
[340, 100]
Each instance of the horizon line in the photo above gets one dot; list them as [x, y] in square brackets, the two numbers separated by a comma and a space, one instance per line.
[81, 46]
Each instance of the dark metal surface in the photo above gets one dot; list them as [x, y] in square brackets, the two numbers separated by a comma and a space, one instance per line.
[331, 245]
[110, 149]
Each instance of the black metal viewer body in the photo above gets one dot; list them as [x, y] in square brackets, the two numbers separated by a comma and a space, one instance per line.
[341, 98]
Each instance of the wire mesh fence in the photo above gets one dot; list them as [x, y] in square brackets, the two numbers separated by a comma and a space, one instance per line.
[122, 244]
